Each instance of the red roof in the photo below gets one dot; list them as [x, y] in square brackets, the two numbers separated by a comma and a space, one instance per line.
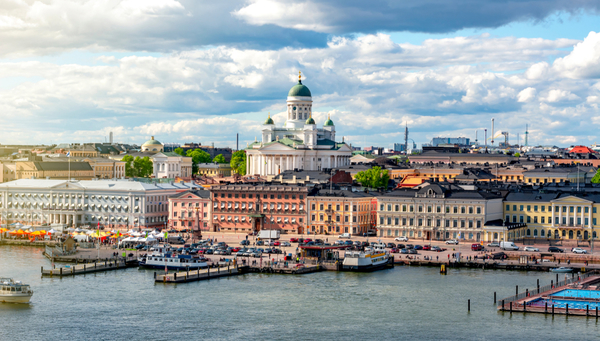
[581, 150]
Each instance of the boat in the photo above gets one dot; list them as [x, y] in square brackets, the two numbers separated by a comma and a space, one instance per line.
[364, 261]
[14, 291]
[162, 257]
[561, 269]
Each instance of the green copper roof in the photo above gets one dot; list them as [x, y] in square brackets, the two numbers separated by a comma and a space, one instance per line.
[299, 90]
[269, 120]
[151, 142]
[310, 121]
[329, 122]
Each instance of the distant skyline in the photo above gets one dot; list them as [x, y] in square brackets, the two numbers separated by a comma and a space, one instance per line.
[202, 71]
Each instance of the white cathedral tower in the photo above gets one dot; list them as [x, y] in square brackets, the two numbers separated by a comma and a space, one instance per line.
[299, 144]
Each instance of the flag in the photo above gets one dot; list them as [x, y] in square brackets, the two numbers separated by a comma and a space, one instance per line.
[68, 154]
[166, 234]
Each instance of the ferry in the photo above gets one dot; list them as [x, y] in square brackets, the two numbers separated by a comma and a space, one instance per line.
[14, 291]
[162, 257]
[366, 261]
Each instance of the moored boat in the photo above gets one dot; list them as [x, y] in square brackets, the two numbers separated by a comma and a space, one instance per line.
[366, 260]
[561, 269]
[162, 257]
[14, 291]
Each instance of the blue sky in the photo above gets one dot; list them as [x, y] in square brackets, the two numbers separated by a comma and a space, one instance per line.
[74, 70]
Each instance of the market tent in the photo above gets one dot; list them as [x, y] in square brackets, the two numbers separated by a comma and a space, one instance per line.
[81, 238]
[52, 231]
[17, 224]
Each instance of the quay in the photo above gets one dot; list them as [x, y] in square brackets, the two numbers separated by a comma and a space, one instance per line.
[200, 274]
[490, 265]
[86, 268]
[578, 295]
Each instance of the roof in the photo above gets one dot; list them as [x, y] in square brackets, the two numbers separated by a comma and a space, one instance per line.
[341, 193]
[152, 141]
[448, 190]
[204, 194]
[269, 120]
[62, 165]
[310, 120]
[299, 90]
[582, 150]
[329, 122]
[113, 185]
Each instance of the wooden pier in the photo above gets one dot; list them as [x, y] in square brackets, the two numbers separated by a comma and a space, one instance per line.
[488, 264]
[82, 269]
[201, 274]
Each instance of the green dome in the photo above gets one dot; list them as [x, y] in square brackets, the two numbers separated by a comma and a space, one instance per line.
[152, 142]
[269, 120]
[310, 121]
[329, 122]
[299, 90]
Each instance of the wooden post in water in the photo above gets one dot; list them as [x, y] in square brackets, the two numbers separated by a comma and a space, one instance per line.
[154, 275]
[587, 310]
[538, 285]
[42, 270]
[517, 290]
[208, 272]
[494, 297]
[556, 279]
[511, 307]
[567, 308]
[552, 309]
[596, 312]
[84, 267]
[527, 292]
[502, 304]
[469, 305]
[546, 308]
[552, 284]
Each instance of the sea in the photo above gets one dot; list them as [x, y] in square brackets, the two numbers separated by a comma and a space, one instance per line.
[406, 302]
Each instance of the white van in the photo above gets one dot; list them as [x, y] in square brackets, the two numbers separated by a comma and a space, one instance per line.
[508, 246]
[345, 235]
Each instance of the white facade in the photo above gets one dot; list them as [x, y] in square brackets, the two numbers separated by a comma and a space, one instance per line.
[171, 165]
[299, 144]
[116, 203]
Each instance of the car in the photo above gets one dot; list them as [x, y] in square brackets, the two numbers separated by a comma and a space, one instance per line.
[394, 250]
[307, 240]
[531, 249]
[499, 255]
[276, 243]
[286, 244]
[426, 247]
[345, 235]
[437, 249]
[209, 252]
[256, 254]
[391, 245]
[348, 243]
[578, 250]
[412, 252]
[364, 244]
[244, 242]
[555, 249]
[293, 240]
[400, 246]
[276, 251]
[339, 242]
[357, 243]
[494, 244]
[452, 242]
[417, 247]
[235, 249]
[476, 247]
[311, 243]
[401, 239]
[404, 251]
[409, 246]
[260, 242]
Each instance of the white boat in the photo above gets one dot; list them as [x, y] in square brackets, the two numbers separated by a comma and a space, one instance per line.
[162, 257]
[562, 269]
[376, 259]
[14, 291]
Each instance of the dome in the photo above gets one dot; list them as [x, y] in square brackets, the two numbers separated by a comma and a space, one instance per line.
[152, 141]
[299, 90]
[310, 121]
[269, 120]
[329, 122]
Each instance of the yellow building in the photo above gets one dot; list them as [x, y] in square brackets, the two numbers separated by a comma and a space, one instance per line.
[579, 174]
[214, 169]
[107, 168]
[341, 211]
[60, 170]
[558, 215]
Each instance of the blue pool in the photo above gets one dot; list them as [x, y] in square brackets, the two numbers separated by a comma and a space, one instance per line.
[577, 293]
[563, 304]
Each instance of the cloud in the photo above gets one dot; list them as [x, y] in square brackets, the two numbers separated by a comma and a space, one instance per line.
[557, 95]
[526, 94]
[584, 61]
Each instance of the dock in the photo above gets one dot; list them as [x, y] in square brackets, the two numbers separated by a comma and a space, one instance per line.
[82, 269]
[200, 274]
[489, 264]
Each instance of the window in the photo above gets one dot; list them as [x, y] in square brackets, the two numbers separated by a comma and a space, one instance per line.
[272, 196]
[381, 220]
[455, 209]
[521, 208]
[346, 219]
[478, 210]
[337, 207]
[404, 208]
[420, 222]
[438, 209]
[594, 221]
[397, 208]
[420, 208]
[462, 223]
[278, 196]
[455, 223]
[428, 209]
[389, 221]
[470, 210]
[447, 209]
[321, 207]
[313, 217]
[175, 204]
[250, 196]
[313, 207]
[593, 210]
[237, 195]
[463, 210]
[229, 195]
[396, 221]
[587, 210]
[478, 223]
[521, 219]
[543, 219]
[535, 220]
[403, 221]
[381, 207]
[287, 196]
[578, 209]
[346, 208]
[410, 208]
[507, 208]
[535, 208]
[543, 208]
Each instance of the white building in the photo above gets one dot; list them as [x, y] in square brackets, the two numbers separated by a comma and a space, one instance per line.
[299, 144]
[120, 204]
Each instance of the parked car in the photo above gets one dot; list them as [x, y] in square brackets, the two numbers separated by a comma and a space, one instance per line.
[409, 246]
[452, 242]
[357, 243]
[578, 250]
[244, 242]
[499, 255]
[412, 251]
[494, 244]
[307, 240]
[286, 244]
[339, 242]
[391, 245]
[404, 251]
[555, 249]
[256, 254]
[260, 243]
[347, 242]
[394, 250]
[531, 249]
[293, 240]
[476, 247]
[276, 243]
[401, 239]
[426, 247]
[417, 247]
[345, 235]
[235, 249]
[437, 249]
[400, 246]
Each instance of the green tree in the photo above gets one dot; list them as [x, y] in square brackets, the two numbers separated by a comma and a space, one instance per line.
[198, 156]
[143, 166]
[517, 154]
[179, 151]
[374, 177]
[238, 162]
[219, 159]
[596, 178]
[129, 171]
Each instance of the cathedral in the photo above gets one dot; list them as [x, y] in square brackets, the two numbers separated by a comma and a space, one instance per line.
[299, 144]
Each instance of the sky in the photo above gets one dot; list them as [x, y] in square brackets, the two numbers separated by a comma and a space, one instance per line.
[204, 71]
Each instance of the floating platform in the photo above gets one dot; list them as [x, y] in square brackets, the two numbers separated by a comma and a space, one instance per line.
[82, 269]
[201, 274]
[489, 264]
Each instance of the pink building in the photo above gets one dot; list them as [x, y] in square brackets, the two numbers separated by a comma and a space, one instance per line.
[190, 210]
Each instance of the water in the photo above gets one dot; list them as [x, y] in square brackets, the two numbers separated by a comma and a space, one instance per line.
[577, 293]
[406, 302]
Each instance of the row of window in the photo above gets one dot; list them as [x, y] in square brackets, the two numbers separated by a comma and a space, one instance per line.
[338, 218]
[572, 221]
[429, 222]
[542, 208]
[430, 209]
[190, 214]
[188, 204]
[189, 224]
[268, 220]
[265, 196]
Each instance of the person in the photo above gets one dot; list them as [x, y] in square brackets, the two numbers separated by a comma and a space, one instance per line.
[437, 258]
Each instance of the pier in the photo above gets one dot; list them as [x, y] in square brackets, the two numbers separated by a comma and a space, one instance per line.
[200, 274]
[488, 264]
[82, 269]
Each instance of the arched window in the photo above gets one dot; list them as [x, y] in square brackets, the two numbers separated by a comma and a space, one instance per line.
[543, 233]
[528, 232]
[535, 232]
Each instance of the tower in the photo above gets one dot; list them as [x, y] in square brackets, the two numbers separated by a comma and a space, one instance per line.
[526, 134]
[299, 105]
[406, 138]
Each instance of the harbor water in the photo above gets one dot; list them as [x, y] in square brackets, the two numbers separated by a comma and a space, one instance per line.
[401, 303]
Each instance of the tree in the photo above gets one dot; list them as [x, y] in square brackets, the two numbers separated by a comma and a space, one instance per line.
[179, 151]
[143, 166]
[596, 178]
[198, 156]
[238, 162]
[374, 177]
[219, 159]
[129, 171]
[517, 154]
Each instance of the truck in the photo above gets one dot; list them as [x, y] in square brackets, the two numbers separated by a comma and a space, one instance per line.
[268, 234]
[508, 246]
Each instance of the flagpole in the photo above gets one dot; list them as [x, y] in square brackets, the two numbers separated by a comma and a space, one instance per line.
[69, 158]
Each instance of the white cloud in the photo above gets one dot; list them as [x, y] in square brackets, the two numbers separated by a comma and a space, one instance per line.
[584, 61]
[557, 95]
[526, 94]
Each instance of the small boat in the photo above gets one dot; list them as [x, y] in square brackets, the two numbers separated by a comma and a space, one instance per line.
[561, 269]
[373, 260]
[14, 291]
[162, 257]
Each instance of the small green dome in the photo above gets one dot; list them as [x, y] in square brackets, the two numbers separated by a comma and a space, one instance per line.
[299, 90]
[152, 141]
[329, 122]
[310, 121]
[269, 120]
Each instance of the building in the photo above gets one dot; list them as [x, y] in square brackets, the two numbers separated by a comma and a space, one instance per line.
[106, 168]
[7, 171]
[458, 158]
[313, 177]
[152, 146]
[338, 211]
[573, 174]
[299, 144]
[438, 211]
[122, 204]
[253, 207]
[54, 170]
[461, 141]
[214, 169]
[190, 210]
